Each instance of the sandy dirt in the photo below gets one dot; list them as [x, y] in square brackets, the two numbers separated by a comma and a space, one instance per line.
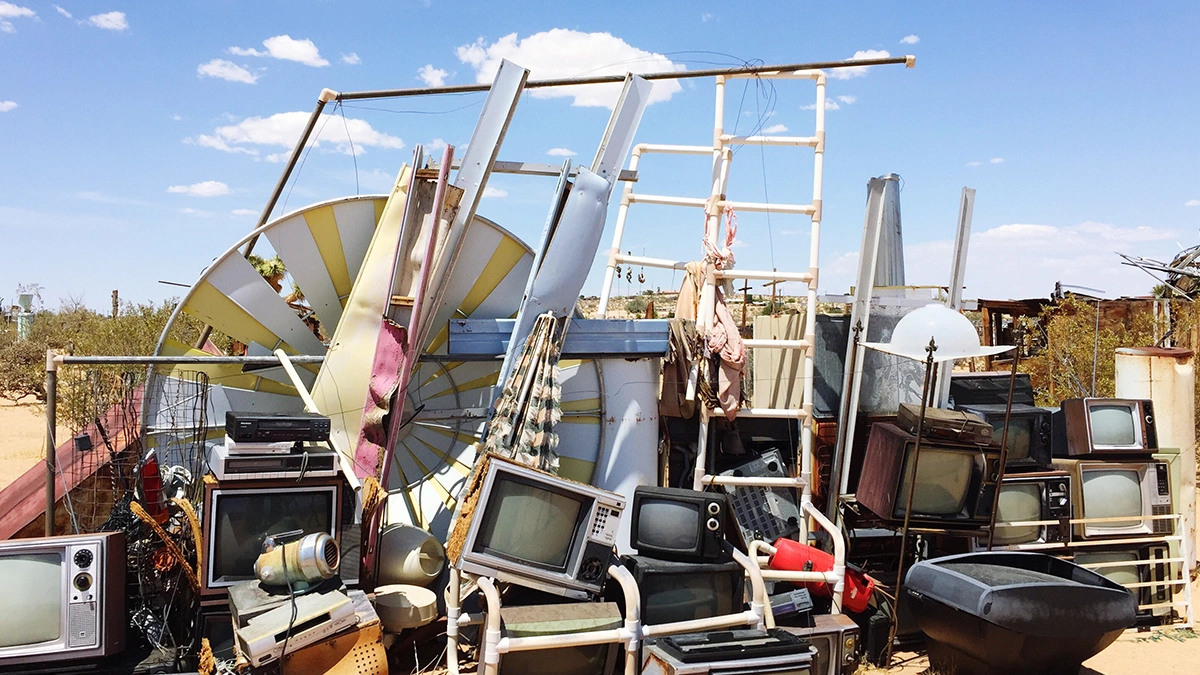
[22, 438]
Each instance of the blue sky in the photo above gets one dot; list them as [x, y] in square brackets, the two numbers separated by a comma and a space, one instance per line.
[139, 140]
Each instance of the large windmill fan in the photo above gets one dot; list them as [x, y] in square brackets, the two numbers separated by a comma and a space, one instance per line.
[323, 247]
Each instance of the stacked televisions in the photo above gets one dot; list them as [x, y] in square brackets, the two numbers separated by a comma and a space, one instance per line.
[1122, 491]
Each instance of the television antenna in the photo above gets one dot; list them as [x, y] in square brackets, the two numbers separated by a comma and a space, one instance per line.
[1058, 286]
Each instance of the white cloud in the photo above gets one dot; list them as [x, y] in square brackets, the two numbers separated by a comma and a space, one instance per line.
[177, 118]
[910, 40]
[847, 99]
[562, 52]
[775, 129]
[973, 164]
[1081, 254]
[195, 212]
[5, 106]
[560, 152]
[11, 11]
[1190, 202]
[208, 188]
[244, 212]
[351, 59]
[226, 70]
[64, 12]
[996, 160]
[109, 21]
[830, 104]
[858, 71]
[494, 193]
[706, 17]
[288, 49]
[435, 145]
[282, 130]
[432, 77]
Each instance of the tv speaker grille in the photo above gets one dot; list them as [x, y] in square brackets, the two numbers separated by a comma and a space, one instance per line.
[81, 622]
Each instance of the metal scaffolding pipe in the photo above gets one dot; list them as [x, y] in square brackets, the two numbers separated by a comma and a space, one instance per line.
[909, 61]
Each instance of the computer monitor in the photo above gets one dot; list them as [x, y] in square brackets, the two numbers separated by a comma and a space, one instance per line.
[239, 515]
[63, 598]
[1094, 427]
[533, 528]
[682, 591]
[953, 484]
[679, 524]
[1119, 489]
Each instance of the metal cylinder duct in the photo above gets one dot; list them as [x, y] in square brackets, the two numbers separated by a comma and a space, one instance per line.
[308, 561]
[889, 267]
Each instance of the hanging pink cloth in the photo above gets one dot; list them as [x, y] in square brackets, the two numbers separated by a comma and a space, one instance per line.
[724, 339]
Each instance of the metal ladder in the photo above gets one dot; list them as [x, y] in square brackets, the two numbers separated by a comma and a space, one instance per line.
[721, 152]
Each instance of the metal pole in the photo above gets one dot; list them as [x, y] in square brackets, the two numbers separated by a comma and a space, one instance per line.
[268, 361]
[909, 61]
[326, 96]
[51, 442]
[916, 458]
[1096, 348]
[1012, 383]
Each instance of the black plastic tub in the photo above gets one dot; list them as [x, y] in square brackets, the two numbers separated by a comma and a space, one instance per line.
[1003, 612]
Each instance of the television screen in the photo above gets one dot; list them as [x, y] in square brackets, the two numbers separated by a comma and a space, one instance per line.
[1112, 425]
[943, 480]
[683, 596]
[668, 525]
[244, 519]
[1110, 493]
[1019, 502]
[1122, 574]
[31, 604]
[529, 523]
[1020, 433]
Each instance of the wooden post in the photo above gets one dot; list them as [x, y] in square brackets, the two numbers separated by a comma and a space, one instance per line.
[745, 289]
[987, 334]
[115, 304]
[773, 285]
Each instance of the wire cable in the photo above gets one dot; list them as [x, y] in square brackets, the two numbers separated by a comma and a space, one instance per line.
[353, 154]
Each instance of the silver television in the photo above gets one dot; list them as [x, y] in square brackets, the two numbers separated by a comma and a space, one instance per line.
[537, 530]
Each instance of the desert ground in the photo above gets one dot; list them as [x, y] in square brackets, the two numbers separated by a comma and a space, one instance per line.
[22, 445]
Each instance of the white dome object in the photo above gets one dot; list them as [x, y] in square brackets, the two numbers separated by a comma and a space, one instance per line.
[952, 333]
[401, 606]
[409, 555]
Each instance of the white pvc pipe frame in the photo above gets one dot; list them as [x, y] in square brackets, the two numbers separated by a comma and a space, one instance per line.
[835, 577]
[630, 634]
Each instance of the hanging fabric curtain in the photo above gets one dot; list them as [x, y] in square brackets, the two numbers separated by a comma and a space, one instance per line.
[530, 405]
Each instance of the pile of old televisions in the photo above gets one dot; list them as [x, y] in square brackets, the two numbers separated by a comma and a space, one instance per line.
[1094, 460]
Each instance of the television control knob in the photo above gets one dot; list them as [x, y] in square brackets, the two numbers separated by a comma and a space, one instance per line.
[83, 558]
[713, 508]
[713, 525]
[83, 581]
[1062, 501]
[591, 569]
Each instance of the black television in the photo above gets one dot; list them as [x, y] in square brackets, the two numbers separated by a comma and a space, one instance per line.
[681, 591]
[1029, 433]
[679, 524]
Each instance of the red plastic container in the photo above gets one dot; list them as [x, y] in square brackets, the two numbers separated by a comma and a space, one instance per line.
[792, 556]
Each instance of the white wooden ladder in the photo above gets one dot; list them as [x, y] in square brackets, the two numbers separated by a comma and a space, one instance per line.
[721, 152]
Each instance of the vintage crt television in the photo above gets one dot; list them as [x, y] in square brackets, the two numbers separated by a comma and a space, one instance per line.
[954, 483]
[238, 515]
[679, 524]
[682, 591]
[535, 529]
[63, 599]
[1095, 427]
[1139, 567]
[1030, 497]
[1119, 489]
[837, 640]
[1029, 432]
